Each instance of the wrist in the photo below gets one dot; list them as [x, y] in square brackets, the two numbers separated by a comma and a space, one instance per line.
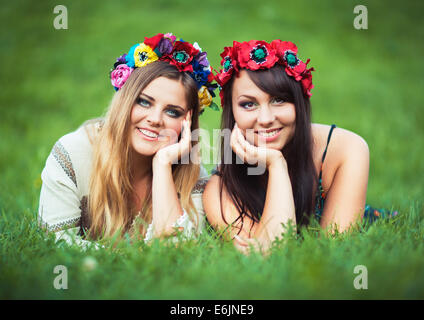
[161, 160]
[160, 163]
[277, 162]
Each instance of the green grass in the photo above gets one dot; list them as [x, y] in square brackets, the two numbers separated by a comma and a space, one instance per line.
[367, 81]
[315, 266]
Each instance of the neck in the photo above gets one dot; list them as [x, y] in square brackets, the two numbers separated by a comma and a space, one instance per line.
[141, 166]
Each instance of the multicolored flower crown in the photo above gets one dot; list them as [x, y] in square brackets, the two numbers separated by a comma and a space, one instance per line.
[257, 54]
[166, 47]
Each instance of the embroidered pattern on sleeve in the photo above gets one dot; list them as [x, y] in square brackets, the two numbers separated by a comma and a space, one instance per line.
[73, 222]
[63, 158]
[82, 221]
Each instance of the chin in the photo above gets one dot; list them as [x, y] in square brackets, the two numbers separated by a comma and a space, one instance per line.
[145, 152]
[144, 149]
[274, 146]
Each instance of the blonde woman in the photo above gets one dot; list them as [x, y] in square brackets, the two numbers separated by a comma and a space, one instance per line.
[125, 173]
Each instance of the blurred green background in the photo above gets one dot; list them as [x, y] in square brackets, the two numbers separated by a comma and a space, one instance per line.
[367, 81]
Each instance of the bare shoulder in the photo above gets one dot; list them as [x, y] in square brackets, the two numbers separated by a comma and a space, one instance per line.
[211, 193]
[217, 204]
[343, 143]
[211, 200]
[212, 186]
[345, 149]
[221, 212]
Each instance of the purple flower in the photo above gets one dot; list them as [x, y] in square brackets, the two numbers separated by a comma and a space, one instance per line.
[165, 46]
[202, 60]
[122, 59]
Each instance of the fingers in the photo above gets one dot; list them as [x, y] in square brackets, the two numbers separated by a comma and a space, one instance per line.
[241, 245]
[242, 249]
[246, 151]
[246, 246]
[250, 150]
[171, 232]
[182, 147]
[186, 136]
[174, 150]
[241, 241]
[187, 123]
[188, 115]
[235, 144]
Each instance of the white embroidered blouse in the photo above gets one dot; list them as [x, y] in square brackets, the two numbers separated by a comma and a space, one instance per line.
[64, 192]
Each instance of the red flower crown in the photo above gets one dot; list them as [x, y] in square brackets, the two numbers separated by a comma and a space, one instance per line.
[257, 54]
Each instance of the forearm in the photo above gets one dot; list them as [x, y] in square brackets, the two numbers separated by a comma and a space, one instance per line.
[166, 207]
[279, 206]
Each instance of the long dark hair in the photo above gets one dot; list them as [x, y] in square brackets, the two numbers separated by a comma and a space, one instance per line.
[248, 192]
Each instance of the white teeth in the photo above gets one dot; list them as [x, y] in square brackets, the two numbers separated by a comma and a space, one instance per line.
[148, 133]
[268, 134]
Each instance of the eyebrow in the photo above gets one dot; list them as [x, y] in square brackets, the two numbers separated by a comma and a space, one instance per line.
[247, 96]
[168, 105]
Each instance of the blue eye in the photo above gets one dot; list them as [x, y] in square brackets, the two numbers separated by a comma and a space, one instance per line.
[247, 105]
[143, 102]
[173, 113]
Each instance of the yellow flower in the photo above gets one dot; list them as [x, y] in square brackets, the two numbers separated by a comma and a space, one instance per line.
[143, 55]
[205, 98]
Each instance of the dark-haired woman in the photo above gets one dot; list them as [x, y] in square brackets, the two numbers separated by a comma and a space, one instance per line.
[308, 169]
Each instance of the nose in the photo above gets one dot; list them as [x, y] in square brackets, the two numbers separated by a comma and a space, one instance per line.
[266, 117]
[154, 117]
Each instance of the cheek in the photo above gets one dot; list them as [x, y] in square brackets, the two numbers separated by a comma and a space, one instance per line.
[292, 116]
[244, 119]
[172, 129]
[288, 119]
[174, 125]
[287, 115]
[136, 114]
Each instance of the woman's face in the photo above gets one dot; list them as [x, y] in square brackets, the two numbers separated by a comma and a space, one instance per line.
[157, 115]
[264, 120]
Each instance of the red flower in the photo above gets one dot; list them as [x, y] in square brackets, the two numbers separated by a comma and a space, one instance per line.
[223, 77]
[283, 46]
[227, 59]
[307, 80]
[228, 65]
[287, 53]
[256, 55]
[296, 71]
[181, 56]
[153, 41]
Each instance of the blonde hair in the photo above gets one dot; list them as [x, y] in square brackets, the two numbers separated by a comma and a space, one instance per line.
[111, 192]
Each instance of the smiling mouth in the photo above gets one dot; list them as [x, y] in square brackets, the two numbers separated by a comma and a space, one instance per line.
[269, 134]
[148, 133]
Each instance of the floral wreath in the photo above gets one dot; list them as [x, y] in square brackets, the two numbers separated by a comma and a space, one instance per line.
[166, 47]
[256, 54]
